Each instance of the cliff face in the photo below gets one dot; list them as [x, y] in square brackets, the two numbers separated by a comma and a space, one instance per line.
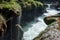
[30, 10]
[51, 33]
[11, 11]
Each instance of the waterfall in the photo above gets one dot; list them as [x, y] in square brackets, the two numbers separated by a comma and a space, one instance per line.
[48, 6]
[35, 27]
[50, 11]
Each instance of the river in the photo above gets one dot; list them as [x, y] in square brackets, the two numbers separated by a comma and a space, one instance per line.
[35, 27]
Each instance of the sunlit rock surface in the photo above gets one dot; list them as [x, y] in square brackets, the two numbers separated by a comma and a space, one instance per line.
[51, 33]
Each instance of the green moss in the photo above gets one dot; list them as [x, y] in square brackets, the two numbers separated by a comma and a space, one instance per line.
[3, 20]
[11, 5]
[1, 1]
[30, 3]
[13, 0]
[14, 6]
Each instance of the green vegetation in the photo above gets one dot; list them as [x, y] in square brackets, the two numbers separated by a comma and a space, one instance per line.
[19, 7]
[30, 3]
[11, 5]
[3, 19]
[14, 5]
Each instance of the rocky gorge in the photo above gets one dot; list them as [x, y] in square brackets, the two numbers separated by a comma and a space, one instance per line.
[50, 33]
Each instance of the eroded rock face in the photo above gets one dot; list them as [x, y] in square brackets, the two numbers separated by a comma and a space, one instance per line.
[51, 33]
[13, 32]
[11, 10]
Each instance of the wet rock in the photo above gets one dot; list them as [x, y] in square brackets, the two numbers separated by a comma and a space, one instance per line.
[51, 33]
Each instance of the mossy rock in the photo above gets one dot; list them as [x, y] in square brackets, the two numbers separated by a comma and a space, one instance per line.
[31, 3]
[11, 5]
[16, 7]
[48, 21]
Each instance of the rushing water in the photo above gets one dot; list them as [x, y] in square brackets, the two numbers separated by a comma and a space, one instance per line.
[35, 27]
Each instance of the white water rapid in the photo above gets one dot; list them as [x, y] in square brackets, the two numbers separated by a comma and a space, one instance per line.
[35, 27]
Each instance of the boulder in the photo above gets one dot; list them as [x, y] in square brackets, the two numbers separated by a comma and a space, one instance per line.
[50, 33]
